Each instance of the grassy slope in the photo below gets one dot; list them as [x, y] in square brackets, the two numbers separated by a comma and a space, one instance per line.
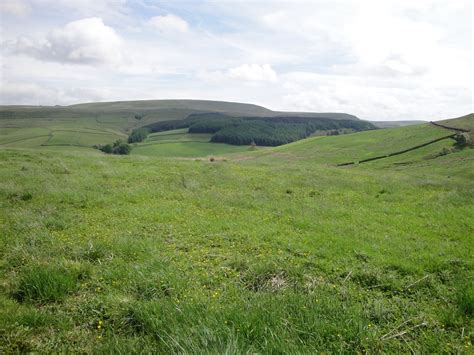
[152, 105]
[180, 143]
[333, 150]
[391, 124]
[84, 125]
[465, 122]
[277, 251]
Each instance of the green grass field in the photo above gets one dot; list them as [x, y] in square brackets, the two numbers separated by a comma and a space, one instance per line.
[180, 143]
[359, 146]
[275, 250]
[466, 122]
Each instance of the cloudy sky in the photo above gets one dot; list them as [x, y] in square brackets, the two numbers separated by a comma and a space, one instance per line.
[377, 59]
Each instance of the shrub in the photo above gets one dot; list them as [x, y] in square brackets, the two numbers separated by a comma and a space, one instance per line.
[138, 135]
[117, 148]
[106, 149]
[122, 149]
[445, 151]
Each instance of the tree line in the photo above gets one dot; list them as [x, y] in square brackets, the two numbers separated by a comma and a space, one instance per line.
[265, 131]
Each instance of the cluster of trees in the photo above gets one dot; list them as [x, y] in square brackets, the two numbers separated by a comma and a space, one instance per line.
[260, 133]
[266, 131]
[167, 125]
[212, 125]
[118, 147]
[138, 135]
[272, 131]
[187, 122]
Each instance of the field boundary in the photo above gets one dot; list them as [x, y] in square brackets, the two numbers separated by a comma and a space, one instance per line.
[84, 132]
[65, 145]
[450, 128]
[170, 142]
[398, 152]
[24, 139]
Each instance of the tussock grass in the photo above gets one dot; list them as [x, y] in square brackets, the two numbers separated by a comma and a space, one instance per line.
[466, 299]
[44, 283]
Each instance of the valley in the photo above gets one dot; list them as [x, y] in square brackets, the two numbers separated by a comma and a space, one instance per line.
[186, 246]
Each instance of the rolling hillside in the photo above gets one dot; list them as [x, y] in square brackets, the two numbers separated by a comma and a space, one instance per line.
[464, 122]
[334, 150]
[121, 113]
[180, 143]
[274, 250]
[84, 125]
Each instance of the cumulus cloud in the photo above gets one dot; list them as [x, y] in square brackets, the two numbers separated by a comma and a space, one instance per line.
[169, 23]
[400, 59]
[85, 41]
[15, 7]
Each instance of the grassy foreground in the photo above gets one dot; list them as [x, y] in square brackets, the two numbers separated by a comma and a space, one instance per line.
[270, 252]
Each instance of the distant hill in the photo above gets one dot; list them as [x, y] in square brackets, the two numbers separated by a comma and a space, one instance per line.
[156, 110]
[235, 108]
[152, 106]
[391, 124]
[84, 125]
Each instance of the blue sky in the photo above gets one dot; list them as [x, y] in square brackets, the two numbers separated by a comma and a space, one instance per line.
[379, 60]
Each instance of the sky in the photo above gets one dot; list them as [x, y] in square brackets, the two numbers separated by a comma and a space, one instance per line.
[376, 59]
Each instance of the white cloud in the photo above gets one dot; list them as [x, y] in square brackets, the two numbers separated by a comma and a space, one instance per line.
[253, 72]
[67, 10]
[258, 74]
[15, 7]
[390, 59]
[169, 23]
[86, 41]
[36, 94]
[372, 97]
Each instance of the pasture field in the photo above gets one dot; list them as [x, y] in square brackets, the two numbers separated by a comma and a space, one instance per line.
[180, 143]
[86, 132]
[267, 251]
[465, 122]
[73, 131]
[187, 149]
[363, 145]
